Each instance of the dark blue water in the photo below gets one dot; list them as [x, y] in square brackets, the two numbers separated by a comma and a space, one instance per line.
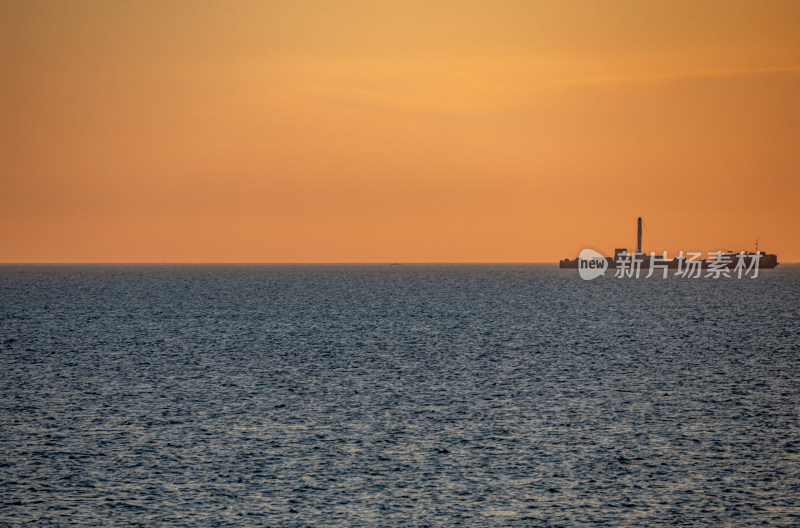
[396, 396]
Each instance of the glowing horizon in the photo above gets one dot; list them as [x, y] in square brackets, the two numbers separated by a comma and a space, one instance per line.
[458, 131]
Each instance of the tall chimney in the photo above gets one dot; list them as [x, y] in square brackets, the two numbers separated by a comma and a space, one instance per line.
[639, 237]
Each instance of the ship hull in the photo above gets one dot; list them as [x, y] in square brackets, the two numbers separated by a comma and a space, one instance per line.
[766, 262]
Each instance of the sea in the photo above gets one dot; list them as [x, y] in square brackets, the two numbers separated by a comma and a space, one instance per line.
[396, 395]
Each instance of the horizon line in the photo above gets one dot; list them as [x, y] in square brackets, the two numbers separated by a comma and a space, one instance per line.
[281, 263]
[286, 263]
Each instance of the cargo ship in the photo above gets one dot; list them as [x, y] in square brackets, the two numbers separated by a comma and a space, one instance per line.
[724, 259]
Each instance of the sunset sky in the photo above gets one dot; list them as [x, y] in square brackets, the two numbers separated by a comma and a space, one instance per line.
[367, 131]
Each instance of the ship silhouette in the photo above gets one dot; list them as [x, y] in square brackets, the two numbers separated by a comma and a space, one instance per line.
[724, 259]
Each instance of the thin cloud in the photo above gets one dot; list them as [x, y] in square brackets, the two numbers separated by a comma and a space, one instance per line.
[665, 77]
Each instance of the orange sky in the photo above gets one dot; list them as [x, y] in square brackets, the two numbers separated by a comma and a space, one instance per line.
[350, 131]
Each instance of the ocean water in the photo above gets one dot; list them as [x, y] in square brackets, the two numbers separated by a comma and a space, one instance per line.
[411, 395]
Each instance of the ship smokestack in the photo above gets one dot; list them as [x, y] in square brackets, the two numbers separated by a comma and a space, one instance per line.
[639, 237]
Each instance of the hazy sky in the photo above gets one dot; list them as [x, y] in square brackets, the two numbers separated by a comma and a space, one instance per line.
[341, 131]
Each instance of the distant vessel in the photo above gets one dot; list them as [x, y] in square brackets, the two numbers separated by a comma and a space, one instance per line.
[726, 259]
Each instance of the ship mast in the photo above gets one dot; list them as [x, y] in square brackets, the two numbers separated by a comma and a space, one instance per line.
[639, 237]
